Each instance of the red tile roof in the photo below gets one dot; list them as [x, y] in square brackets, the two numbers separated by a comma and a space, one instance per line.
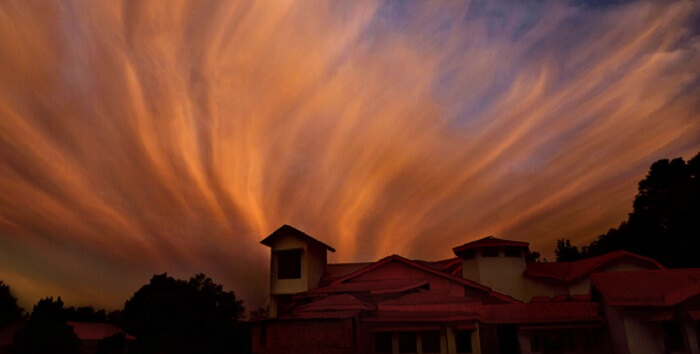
[96, 331]
[336, 303]
[489, 241]
[427, 298]
[321, 315]
[288, 230]
[432, 316]
[570, 271]
[542, 312]
[458, 279]
[337, 270]
[376, 286]
[663, 287]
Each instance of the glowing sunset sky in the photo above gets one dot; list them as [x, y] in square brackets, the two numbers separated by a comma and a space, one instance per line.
[145, 137]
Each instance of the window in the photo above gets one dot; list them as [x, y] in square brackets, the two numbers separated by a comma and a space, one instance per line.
[463, 341]
[549, 341]
[515, 252]
[489, 252]
[673, 336]
[289, 264]
[593, 340]
[407, 342]
[382, 342]
[430, 342]
[468, 254]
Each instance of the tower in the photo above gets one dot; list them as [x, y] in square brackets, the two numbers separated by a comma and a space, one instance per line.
[297, 263]
[496, 263]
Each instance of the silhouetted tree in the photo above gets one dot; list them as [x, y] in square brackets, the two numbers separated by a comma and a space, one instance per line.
[665, 221]
[169, 315]
[47, 331]
[261, 313]
[565, 252]
[10, 312]
[86, 314]
[532, 256]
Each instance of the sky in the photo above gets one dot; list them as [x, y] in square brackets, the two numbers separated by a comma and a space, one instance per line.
[138, 138]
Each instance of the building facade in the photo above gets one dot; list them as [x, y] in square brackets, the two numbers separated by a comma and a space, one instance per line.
[487, 299]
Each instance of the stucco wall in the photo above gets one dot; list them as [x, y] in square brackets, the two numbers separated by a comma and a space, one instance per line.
[317, 259]
[288, 286]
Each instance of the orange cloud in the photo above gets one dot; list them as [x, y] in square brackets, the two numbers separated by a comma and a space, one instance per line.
[138, 138]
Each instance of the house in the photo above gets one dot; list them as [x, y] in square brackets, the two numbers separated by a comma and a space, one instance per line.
[487, 299]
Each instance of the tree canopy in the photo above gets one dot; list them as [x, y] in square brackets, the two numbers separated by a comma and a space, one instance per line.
[664, 223]
[10, 312]
[170, 315]
[47, 331]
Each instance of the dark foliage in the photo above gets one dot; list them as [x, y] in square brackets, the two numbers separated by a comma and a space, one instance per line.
[665, 221]
[170, 315]
[565, 252]
[47, 331]
[532, 256]
[262, 313]
[10, 312]
[86, 314]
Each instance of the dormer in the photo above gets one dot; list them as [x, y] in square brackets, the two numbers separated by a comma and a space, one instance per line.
[297, 263]
[494, 262]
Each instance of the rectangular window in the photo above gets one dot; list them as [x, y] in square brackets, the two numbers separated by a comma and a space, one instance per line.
[489, 252]
[468, 254]
[382, 342]
[289, 264]
[514, 252]
[673, 337]
[430, 342]
[407, 342]
[463, 341]
[551, 341]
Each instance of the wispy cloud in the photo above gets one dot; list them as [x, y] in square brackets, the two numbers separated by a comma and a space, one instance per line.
[138, 138]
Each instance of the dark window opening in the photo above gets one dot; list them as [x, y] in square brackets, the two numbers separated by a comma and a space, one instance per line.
[489, 252]
[431, 342]
[289, 264]
[407, 342]
[515, 252]
[463, 341]
[673, 336]
[593, 340]
[382, 342]
[551, 341]
[468, 254]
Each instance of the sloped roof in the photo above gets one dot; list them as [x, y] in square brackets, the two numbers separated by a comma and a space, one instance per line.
[336, 270]
[489, 241]
[96, 331]
[662, 287]
[544, 312]
[428, 298]
[410, 263]
[337, 303]
[289, 230]
[569, 271]
[309, 315]
[375, 286]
